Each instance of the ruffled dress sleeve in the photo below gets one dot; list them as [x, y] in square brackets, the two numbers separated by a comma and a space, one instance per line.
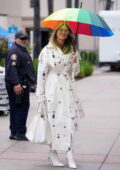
[76, 66]
[42, 74]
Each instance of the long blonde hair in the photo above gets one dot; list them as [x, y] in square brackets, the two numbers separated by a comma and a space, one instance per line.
[69, 44]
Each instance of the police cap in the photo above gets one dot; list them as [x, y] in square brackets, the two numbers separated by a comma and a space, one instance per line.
[21, 34]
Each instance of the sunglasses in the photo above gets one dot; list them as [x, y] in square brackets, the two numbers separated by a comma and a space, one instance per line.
[63, 30]
[23, 38]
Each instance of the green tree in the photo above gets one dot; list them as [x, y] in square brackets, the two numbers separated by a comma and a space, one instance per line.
[3, 50]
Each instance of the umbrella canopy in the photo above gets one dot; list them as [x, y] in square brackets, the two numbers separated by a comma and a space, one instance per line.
[3, 33]
[80, 21]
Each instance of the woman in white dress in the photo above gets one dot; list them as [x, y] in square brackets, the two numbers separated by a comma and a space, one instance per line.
[55, 85]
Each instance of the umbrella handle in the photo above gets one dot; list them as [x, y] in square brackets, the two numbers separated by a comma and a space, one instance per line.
[81, 5]
[77, 25]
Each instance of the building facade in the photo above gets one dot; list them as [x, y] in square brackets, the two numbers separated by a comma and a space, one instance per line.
[19, 13]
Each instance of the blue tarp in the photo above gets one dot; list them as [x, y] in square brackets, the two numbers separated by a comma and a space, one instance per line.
[3, 33]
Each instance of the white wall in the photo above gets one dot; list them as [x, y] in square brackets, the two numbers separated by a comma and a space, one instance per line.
[26, 10]
[44, 8]
[58, 4]
[11, 8]
[4, 22]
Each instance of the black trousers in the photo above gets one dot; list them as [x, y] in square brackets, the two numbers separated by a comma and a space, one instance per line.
[18, 112]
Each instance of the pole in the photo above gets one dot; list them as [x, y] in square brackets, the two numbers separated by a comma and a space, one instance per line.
[31, 43]
[81, 5]
[50, 7]
[68, 3]
[50, 10]
[37, 31]
[108, 4]
[76, 3]
[76, 39]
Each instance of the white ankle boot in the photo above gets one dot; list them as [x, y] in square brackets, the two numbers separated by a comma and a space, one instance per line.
[70, 159]
[54, 158]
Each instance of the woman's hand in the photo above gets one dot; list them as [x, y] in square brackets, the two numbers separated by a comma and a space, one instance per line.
[74, 59]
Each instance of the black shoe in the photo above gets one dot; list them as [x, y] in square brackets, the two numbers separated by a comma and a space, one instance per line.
[21, 138]
[12, 136]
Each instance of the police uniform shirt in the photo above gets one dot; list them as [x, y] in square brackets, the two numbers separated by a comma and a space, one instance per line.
[19, 66]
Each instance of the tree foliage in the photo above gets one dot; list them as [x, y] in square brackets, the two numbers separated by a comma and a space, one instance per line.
[3, 48]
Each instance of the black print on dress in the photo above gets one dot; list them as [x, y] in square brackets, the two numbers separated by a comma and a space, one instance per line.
[58, 74]
[53, 116]
[43, 76]
[69, 149]
[58, 136]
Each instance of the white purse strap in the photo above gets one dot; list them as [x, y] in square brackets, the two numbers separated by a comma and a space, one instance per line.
[42, 109]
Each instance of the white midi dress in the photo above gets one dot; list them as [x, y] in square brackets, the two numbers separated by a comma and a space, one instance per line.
[55, 81]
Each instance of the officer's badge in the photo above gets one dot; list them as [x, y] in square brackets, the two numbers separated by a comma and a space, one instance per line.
[13, 63]
[13, 56]
[25, 34]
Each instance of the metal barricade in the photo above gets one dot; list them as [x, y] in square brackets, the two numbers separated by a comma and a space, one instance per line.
[4, 102]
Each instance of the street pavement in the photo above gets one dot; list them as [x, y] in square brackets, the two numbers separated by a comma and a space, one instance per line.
[99, 138]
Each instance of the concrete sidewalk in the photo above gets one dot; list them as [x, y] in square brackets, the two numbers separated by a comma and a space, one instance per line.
[100, 130]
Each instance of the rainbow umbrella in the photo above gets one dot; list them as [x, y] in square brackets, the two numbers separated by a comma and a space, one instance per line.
[80, 21]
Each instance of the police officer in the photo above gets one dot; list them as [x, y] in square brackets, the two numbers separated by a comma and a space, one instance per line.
[19, 77]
